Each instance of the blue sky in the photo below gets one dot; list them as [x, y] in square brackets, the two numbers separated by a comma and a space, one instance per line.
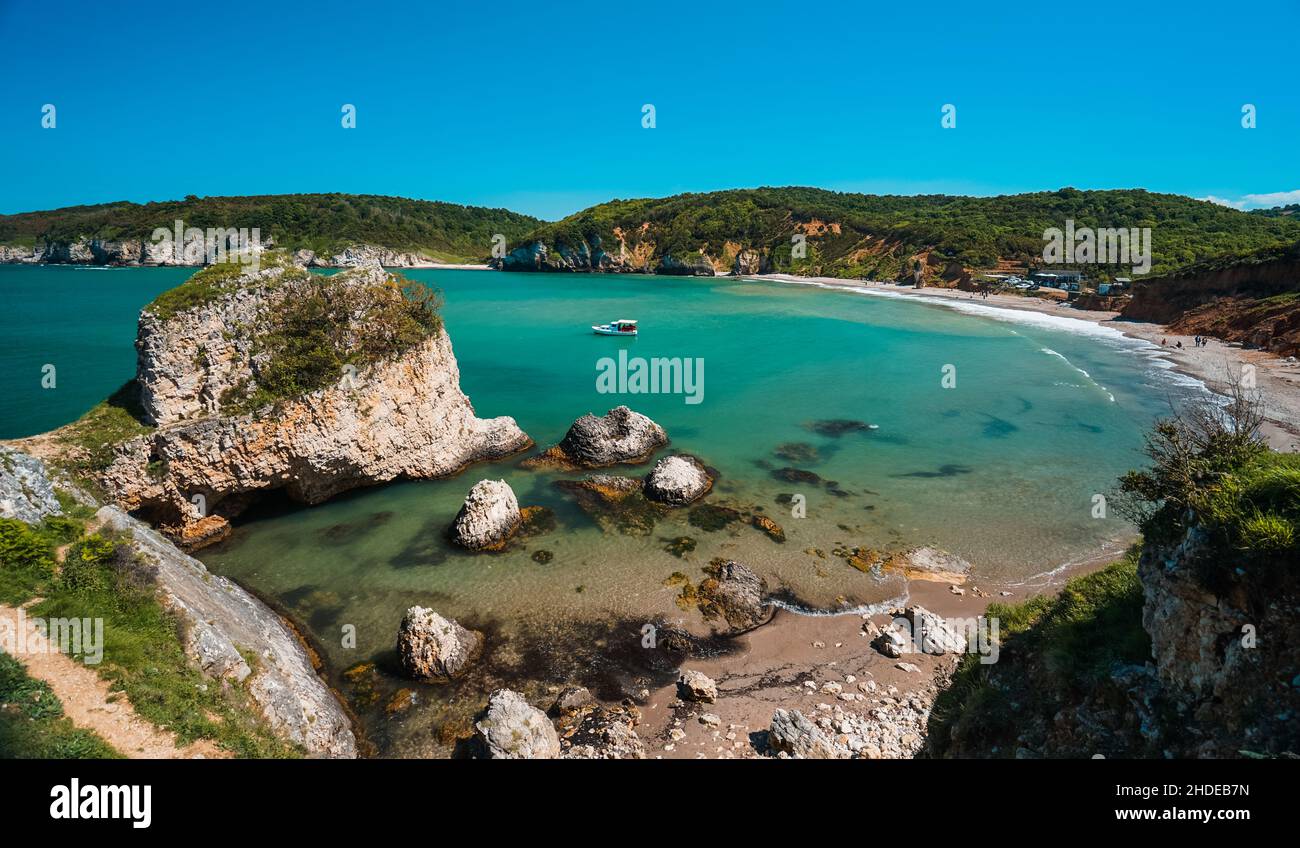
[537, 106]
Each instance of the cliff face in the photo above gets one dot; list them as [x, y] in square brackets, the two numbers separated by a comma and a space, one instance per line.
[131, 252]
[1227, 662]
[1253, 302]
[399, 417]
[1209, 674]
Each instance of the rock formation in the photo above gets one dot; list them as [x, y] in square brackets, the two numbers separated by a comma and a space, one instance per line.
[26, 492]
[735, 593]
[488, 518]
[792, 734]
[696, 686]
[677, 480]
[513, 729]
[621, 436]
[222, 620]
[216, 445]
[615, 503]
[435, 649]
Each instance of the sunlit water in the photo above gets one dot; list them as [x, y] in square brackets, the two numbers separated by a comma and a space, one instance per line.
[1001, 467]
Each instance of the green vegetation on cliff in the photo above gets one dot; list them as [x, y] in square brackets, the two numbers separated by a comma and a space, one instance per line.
[874, 236]
[101, 576]
[324, 223]
[333, 323]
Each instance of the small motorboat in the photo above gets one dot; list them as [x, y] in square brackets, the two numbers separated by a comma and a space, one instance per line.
[621, 327]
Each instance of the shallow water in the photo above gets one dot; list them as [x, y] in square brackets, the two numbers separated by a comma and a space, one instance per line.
[1002, 469]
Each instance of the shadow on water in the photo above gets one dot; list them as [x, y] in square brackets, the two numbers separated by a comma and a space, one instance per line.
[947, 470]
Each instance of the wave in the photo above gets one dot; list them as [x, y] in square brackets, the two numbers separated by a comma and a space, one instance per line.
[1153, 353]
[879, 608]
[1085, 374]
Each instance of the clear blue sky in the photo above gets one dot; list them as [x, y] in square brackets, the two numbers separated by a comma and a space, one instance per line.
[537, 106]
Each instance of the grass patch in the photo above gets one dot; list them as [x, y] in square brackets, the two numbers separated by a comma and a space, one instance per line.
[32, 723]
[88, 443]
[102, 576]
[331, 324]
[219, 279]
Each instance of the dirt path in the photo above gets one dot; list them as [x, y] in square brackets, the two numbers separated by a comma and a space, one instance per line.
[88, 702]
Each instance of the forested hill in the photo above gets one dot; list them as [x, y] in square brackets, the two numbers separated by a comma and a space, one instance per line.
[879, 236]
[320, 222]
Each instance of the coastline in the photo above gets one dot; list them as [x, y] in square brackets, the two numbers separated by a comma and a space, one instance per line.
[1277, 381]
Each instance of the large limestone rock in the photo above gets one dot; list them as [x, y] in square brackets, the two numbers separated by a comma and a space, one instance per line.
[792, 734]
[488, 518]
[695, 685]
[621, 436]
[513, 729]
[433, 648]
[677, 480]
[404, 417]
[736, 594]
[26, 492]
[221, 621]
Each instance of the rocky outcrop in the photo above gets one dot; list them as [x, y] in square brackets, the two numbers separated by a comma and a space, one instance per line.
[16, 254]
[26, 492]
[916, 629]
[513, 729]
[677, 481]
[750, 263]
[586, 256]
[621, 436]
[403, 417]
[1228, 659]
[488, 518]
[696, 686]
[222, 621]
[435, 649]
[735, 593]
[368, 254]
[687, 265]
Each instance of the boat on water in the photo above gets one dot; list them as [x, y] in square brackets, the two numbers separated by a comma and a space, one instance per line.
[621, 327]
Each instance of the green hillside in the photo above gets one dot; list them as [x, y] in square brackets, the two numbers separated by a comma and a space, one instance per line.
[876, 236]
[320, 222]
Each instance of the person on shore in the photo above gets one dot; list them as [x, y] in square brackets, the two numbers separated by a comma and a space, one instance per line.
[1162, 342]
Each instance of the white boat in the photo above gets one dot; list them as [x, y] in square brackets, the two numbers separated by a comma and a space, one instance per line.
[621, 327]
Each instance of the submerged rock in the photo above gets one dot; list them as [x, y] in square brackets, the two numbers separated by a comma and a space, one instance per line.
[621, 436]
[615, 503]
[677, 480]
[796, 475]
[433, 648]
[836, 427]
[736, 594]
[768, 526]
[513, 729]
[488, 518]
[697, 686]
[712, 517]
[928, 563]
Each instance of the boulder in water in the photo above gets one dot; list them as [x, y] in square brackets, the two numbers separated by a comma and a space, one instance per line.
[488, 518]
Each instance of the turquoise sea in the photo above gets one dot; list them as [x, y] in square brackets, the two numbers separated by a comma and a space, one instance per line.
[1001, 467]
